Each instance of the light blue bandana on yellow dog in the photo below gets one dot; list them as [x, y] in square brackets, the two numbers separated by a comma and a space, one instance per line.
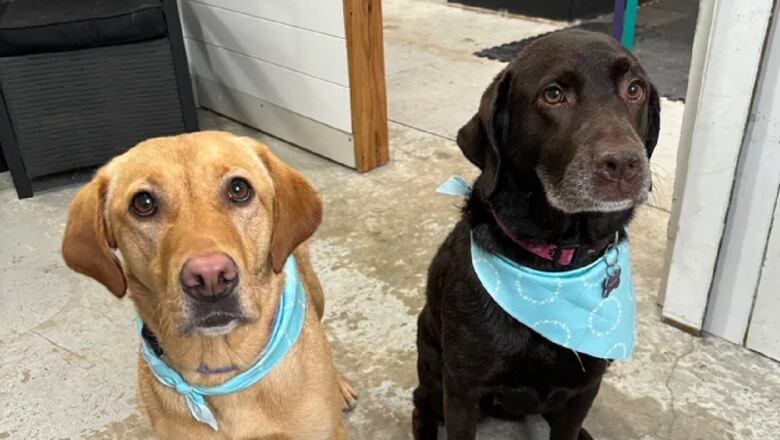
[568, 308]
[286, 329]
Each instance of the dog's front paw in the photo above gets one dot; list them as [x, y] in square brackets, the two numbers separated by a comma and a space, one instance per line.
[349, 394]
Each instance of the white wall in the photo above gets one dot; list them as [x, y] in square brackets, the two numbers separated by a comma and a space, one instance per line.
[286, 57]
[321, 16]
[764, 332]
[752, 206]
[733, 55]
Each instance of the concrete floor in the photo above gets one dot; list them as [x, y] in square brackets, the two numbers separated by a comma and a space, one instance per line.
[68, 347]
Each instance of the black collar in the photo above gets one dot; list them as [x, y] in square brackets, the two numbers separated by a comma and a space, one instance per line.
[152, 340]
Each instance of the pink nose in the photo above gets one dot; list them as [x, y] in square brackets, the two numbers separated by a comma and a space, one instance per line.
[209, 277]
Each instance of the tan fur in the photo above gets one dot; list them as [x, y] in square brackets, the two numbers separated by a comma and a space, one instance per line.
[303, 396]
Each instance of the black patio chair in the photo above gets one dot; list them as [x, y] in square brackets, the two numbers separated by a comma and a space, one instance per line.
[84, 80]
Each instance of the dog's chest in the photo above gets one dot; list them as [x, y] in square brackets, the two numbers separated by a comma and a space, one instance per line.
[527, 373]
[531, 400]
[529, 383]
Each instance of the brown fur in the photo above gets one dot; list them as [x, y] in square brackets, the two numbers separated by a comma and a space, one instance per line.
[303, 396]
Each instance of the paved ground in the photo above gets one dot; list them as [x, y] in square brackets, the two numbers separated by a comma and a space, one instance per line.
[68, 348]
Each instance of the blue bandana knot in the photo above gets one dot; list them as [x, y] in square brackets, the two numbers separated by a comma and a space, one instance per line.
[181, 387]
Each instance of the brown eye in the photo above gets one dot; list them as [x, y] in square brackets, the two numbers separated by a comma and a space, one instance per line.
[635, 90]
[239, 190]
[143, 204]
[553, 95]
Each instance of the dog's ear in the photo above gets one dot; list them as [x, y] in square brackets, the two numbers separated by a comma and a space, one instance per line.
[653, 121]
[86, 246]
[297, 209]
[482, 137]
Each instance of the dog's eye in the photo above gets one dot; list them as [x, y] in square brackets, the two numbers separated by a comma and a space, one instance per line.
[635, 90]
[143, 204]
[553, 95]
[239, 190]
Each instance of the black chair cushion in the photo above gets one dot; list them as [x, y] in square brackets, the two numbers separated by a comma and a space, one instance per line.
[36, 26]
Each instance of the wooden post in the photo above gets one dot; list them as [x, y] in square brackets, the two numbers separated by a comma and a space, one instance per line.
[365, 54]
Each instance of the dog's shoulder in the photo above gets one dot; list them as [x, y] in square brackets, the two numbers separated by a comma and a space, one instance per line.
[454, 286]
[455, 248]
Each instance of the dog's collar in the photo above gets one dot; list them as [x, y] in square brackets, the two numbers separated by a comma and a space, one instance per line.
[561, 255]
[285, 330]
[154, 344]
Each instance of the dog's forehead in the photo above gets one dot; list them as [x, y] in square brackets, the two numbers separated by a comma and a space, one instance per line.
[194, 153]
[583, 53]
[191, 150]
[192, 160]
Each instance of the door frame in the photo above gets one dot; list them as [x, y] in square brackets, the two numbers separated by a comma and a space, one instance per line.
[727, 54]
[762, 332]
[744, 249]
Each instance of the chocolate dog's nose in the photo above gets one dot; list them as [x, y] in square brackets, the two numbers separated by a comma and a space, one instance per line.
[619, 165]
[209, 277]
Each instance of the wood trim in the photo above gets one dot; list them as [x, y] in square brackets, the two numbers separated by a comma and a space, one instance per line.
[741, 260]
[701, 39]
[365, 55]
[733, 57]
[763, 335]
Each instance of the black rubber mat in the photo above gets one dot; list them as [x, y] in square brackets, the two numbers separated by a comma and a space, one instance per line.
[664, 38]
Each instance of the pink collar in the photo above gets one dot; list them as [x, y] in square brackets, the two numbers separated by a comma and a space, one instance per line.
[559, 254]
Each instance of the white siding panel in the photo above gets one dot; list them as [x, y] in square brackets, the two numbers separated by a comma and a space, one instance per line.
[733, 57]
[292, 127]
[752, 204]
[319, 55]
[314, 98]
[325, 16]
[764, 333]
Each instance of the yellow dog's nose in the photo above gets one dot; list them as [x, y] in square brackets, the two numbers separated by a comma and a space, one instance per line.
[209, 277]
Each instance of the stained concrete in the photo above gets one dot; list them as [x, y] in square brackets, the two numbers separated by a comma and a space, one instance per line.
[68, 347]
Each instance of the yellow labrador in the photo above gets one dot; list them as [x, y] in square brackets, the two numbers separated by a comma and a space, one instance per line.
[196, 229]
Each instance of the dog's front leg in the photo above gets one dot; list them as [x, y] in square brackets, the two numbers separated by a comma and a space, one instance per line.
[461, 410]
[566, 423]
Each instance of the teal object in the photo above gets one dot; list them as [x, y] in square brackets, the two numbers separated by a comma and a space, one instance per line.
[567, 308]
[287, 327]
[455, 186]
[629, 24]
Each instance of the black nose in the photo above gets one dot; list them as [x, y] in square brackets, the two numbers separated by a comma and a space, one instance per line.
[619, 165]
[209, 277]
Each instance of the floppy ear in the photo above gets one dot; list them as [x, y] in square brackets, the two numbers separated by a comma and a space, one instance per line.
[86, 246]
[297, 209]
[653, 121]
[482, 137]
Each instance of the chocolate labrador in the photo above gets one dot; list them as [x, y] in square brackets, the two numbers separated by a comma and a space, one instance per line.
[562, 137]
[207, 226]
